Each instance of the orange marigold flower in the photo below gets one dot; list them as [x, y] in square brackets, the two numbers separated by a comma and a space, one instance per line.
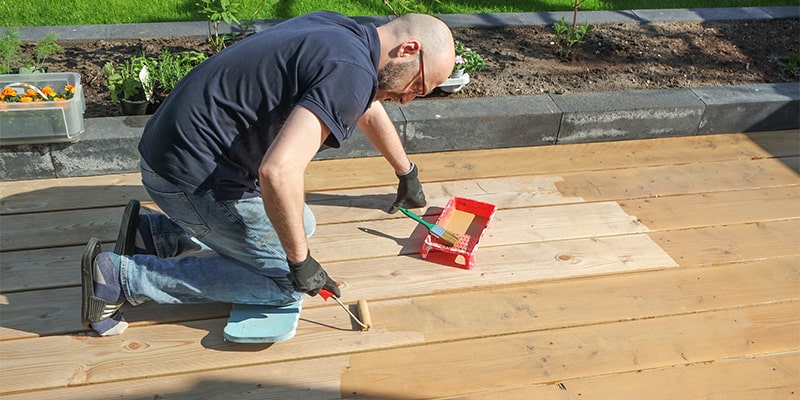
[48, 91]
[31, 93]
[69, 88]
[9, 92]
[25, 99]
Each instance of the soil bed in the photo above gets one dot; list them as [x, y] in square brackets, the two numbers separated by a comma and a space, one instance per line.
[523, 60]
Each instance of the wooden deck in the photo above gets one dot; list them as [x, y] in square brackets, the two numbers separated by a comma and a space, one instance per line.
[653, 269]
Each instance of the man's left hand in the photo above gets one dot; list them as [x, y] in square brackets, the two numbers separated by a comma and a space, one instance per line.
[409, 191]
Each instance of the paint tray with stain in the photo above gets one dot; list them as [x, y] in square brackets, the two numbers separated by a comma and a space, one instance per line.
[467, 219]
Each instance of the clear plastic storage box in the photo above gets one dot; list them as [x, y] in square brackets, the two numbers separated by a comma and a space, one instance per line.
[45, 121]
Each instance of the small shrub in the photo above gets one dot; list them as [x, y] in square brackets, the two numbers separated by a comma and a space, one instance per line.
[215, 12]
[570, 38]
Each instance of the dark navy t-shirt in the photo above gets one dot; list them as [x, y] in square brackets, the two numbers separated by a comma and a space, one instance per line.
[216, 125]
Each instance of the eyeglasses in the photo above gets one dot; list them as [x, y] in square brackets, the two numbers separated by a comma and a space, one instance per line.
[419, 84]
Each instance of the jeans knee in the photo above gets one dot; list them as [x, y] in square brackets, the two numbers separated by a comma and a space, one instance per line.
[309, 221]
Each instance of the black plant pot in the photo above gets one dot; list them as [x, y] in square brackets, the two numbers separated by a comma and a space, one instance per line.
[133, 107]
[156, 100]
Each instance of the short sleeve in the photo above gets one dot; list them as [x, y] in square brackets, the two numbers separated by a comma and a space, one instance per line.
[339, 96]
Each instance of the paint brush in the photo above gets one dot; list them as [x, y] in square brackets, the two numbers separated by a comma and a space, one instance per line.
[444, 235]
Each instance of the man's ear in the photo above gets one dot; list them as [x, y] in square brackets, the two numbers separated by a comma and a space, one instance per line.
[409, 47]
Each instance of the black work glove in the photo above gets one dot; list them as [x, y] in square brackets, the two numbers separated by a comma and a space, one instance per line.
[309, 277]
[409, 191]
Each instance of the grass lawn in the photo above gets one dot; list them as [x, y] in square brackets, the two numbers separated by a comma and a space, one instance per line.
[83, 12]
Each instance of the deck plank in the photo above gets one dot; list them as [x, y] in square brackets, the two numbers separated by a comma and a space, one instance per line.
[771, 377]
[716, 208]
[775, 376]
[44, 195]
[295, 380]
[693, 178]
[706, 246]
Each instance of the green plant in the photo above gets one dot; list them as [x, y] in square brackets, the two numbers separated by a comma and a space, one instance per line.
[44, 48]
[10, 50]
[217, 11]
[249, 24]
[411, 6]
[792, 65]
[125, 80]
[467, 59]
[570, 38]
[11, 56]
[169, 68]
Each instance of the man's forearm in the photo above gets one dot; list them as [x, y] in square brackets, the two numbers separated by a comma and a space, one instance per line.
[284, 207]
[380, 131]
[281, 178]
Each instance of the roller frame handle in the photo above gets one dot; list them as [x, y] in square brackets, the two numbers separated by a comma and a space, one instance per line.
[326, 294]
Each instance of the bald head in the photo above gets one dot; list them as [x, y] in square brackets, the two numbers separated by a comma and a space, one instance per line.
[430, 30]
[433, 36]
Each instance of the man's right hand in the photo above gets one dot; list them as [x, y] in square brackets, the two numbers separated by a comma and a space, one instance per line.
[309, 277]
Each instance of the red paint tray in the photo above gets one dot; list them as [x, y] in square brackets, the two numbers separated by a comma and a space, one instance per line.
[467, 219]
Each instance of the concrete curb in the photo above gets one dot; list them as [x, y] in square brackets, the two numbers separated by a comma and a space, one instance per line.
[108, 145]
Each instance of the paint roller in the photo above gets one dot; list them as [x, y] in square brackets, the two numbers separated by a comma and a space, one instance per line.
[361, 309]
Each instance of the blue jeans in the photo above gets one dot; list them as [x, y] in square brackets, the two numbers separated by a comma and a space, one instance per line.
[246, 263]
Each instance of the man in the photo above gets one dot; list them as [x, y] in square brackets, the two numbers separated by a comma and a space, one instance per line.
[224, 158]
